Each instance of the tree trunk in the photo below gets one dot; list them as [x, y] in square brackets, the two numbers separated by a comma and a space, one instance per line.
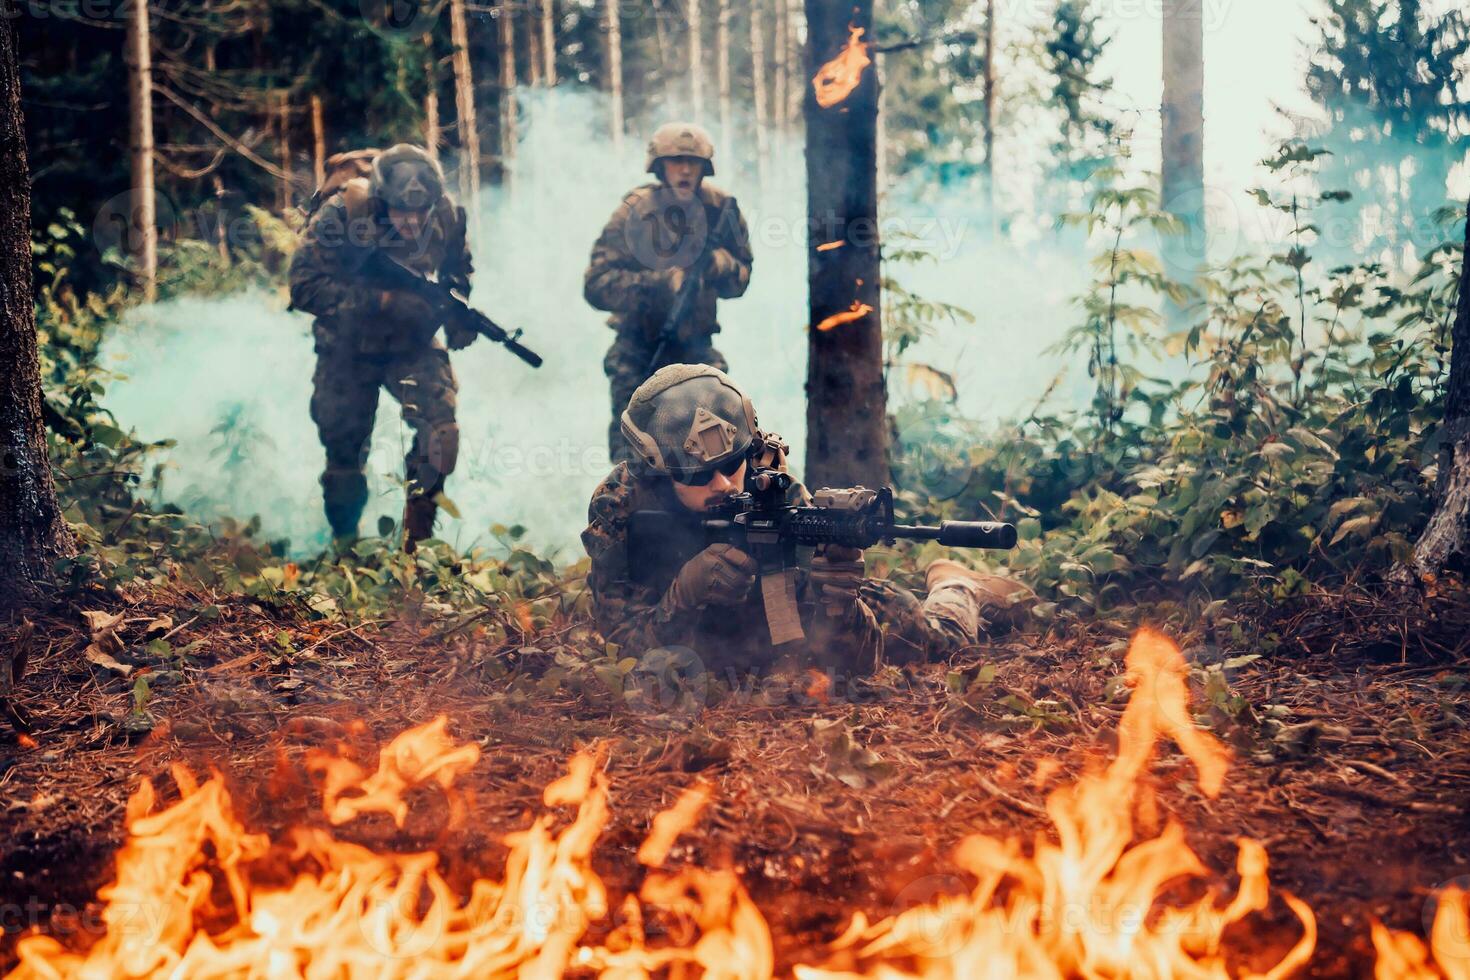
[846, 397]
[507, 92]
[283, 146]
[221, 238]
[782, 52]
[533, 48]
[615, 70]
[464, 107]
[432, 130]
[143, 222]
[696, 61]
[880, 135]
[548, 41]
[758, 80]
[32, 533]
[722, 41]
[1183, 116]
[318, 141]
[793, 45]
[1445, 544]
[988, 119]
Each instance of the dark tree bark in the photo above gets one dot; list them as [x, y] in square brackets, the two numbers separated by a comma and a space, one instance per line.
[1445, 544]
[32, 533]
[846, 397]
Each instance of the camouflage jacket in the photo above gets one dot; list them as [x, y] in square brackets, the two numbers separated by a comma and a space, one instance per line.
[326, 280]
[637, 613]
[650, 233]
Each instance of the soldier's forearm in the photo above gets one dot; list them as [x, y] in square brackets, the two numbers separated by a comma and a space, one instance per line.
[319, 296]
[729, 274]
[616, 291]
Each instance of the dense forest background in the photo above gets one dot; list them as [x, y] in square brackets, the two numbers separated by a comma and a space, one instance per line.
[1221, 408]
[1224, 395]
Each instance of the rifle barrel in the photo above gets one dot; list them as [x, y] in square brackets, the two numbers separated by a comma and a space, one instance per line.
[962, 534]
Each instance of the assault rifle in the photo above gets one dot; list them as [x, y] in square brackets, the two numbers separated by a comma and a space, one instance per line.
[693, 279]
[448, 305]
[763, 524]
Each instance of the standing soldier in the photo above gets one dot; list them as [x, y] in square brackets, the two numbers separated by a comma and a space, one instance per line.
[680, 229]
[369, 338]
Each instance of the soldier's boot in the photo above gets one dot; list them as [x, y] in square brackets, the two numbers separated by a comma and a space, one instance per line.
[418, 521]
[964, 595]
[344, 496]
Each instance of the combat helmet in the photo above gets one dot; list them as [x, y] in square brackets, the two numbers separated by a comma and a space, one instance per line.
[689, 419]
[681, 139]
[406, 177]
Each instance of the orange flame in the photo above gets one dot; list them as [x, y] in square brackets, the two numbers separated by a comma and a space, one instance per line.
[830, 246]
[354, 912]
[195, 894]
[1402, 956]
[1084, 905]
[855, 312]
[837, 79]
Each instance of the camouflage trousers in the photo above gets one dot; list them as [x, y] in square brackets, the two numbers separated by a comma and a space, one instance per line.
[914, 631]
[626, 366]
[344, 403]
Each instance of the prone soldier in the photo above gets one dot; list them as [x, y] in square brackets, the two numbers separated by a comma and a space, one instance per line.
[369, 338]
[696, 442]
[667, 254]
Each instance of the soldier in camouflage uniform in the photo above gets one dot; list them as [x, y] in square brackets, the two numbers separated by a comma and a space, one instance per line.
[693, 435]
[639, 261]
[368, 338]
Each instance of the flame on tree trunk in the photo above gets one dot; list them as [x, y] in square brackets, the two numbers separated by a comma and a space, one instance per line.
[32, 533]
[846, 398]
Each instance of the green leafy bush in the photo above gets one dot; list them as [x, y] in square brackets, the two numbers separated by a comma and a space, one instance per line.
[1294, 442]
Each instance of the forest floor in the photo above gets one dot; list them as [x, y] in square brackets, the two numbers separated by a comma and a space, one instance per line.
[1351, 760]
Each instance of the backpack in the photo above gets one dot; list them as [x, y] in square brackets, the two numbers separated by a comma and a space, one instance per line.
[340, 168]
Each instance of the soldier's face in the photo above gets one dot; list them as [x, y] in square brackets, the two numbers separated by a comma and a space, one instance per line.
[683, 175]
[408, 224]
[712, 493]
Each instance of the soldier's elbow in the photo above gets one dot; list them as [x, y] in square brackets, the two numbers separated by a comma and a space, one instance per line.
[596, 296]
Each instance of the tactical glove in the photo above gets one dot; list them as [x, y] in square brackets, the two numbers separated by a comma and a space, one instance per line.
[458, 337]
[671, 281]
[722, 264]
[720, 575]
[835, 578]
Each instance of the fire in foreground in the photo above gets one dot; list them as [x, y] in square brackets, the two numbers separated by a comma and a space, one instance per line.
[196, 895]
